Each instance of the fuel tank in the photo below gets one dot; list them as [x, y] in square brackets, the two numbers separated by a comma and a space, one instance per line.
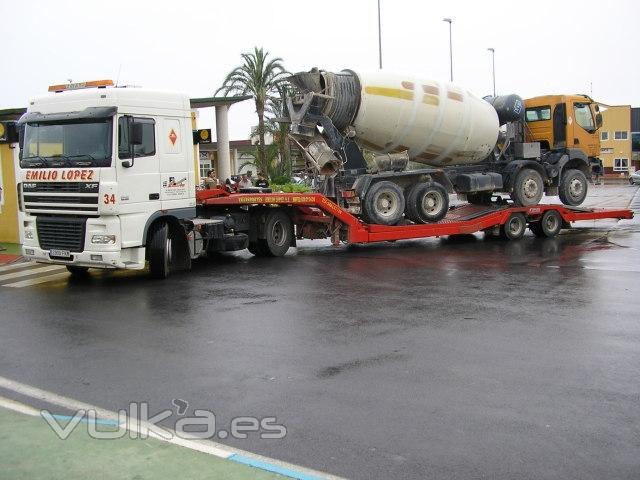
[438, 123]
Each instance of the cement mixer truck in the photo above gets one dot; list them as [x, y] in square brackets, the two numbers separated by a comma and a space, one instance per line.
[474, 147]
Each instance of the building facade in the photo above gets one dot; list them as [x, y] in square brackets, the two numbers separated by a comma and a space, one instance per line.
[615, 140]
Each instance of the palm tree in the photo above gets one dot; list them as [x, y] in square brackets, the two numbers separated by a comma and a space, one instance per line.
[259, 77]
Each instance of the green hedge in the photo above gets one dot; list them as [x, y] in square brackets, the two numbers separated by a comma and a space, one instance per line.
[289, 188]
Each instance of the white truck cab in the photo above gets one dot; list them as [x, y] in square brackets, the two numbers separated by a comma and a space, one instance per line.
[98, 166]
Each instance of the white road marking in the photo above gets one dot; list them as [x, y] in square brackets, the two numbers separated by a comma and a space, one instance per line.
[38, 280]
[204, 446]
[18, 407]
[16, 266]
[32, 271]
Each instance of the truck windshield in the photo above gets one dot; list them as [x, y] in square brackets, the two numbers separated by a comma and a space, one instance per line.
[85, 143]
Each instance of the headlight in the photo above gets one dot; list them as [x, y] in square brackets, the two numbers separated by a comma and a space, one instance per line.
[28, 234]
[103, 239]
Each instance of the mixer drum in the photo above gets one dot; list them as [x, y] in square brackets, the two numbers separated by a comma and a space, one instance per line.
[438, 123]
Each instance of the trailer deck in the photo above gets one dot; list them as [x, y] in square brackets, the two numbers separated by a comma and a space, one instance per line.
[309, 208]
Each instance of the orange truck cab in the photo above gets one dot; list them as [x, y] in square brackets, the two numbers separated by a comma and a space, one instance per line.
[567, 123]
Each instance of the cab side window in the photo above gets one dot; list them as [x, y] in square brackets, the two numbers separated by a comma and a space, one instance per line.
[583, 115]
[537, 114]
[148, 147]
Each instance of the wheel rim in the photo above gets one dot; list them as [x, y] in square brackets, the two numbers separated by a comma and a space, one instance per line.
[576, 188]
[551, 223]
[515, 227]
[432, 203]
[530, 188]
[278, 233]
[386, 204]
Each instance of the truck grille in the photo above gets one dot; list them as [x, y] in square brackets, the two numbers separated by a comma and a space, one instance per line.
[50, 197]
[61, 233]
[61, 187]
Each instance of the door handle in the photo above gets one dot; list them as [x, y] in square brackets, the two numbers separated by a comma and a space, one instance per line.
[154, 196]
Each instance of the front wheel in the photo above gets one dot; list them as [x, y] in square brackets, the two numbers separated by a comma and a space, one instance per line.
[159, 251]
[528, 188]
[573, 187]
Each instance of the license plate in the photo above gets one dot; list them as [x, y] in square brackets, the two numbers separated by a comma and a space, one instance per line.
[60, 253]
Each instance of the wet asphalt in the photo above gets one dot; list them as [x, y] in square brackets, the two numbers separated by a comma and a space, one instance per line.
[441, 358]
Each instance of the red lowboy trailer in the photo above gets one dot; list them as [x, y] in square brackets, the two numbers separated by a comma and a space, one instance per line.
[313, 215]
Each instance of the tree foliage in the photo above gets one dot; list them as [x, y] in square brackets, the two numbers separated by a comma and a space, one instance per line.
[261, 77]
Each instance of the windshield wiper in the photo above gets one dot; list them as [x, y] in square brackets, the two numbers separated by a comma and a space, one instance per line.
[41, 163]
[59, 156]
[83, 164]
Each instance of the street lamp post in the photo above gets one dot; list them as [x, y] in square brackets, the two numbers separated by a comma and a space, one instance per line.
[379, 37]
[450, 21]
[493, 67]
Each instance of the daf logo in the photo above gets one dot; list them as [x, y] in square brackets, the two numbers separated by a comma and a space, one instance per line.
[90, 186]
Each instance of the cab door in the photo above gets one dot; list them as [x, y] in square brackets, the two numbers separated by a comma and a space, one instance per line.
[176, 167]
[583, 131]
[138, 174]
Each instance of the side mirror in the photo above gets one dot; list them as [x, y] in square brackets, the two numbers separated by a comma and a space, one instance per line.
[135, 133]
[598, 120]
[135, 139]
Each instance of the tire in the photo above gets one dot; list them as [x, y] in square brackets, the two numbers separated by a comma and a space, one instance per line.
[384, 203]
[514, 227]
[631, 181]
[480, 198]
[278, 234]
[159, 251]
[528, 188]
[77, 271]
[551, 223]
[573, 187]
[427, 202]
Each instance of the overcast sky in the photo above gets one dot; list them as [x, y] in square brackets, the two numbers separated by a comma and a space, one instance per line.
[541, 47]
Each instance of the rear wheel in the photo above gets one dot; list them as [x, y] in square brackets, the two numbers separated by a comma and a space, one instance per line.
[573, 187]
[278, 234]
[528, 188]
[514, 227]
[77, 271]
[384, 203]
[427, 202]
[551, 223]
[159, 251]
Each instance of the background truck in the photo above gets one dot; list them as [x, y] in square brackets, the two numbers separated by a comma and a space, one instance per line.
[475, 147]
[108, 177]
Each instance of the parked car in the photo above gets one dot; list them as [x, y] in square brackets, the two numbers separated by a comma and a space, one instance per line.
[634, 178]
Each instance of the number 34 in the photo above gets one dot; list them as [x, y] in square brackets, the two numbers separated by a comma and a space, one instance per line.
[109, 199]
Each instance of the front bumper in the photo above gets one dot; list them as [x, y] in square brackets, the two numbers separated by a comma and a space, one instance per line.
[128, 258]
